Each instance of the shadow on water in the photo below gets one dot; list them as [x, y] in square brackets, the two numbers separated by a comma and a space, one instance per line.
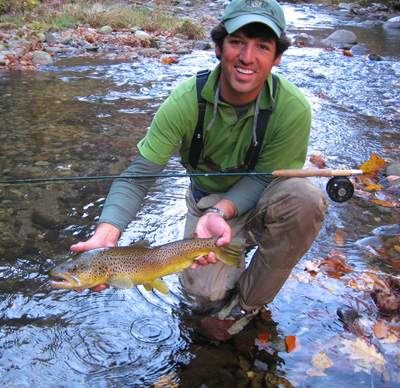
[84, 117]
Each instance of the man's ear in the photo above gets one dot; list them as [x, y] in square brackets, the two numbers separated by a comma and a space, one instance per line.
[218, 52]
[277, 60]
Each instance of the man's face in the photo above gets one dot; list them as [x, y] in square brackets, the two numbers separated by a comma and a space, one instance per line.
[245, 65]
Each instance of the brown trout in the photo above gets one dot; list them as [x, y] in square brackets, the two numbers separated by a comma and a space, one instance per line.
[126, 267]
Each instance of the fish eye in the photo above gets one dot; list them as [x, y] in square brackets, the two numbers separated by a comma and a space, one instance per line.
[74, 268]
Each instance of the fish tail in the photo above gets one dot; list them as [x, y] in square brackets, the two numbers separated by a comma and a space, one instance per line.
[232, 254]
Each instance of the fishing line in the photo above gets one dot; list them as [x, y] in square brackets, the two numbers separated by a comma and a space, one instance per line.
[276, 173]
[339, 187]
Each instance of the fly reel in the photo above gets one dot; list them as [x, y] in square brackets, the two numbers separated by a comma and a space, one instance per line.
[340, 189]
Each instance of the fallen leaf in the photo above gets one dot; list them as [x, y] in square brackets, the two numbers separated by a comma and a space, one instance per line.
[169, 60]
[373, 165]
[347, 53]
[380, 329]
[264, 337]
[386, 295]
[318, 161]
[167, 381]
[365, 357]
[383, 203]
[335, 265]
[320, 362]
[293, 343]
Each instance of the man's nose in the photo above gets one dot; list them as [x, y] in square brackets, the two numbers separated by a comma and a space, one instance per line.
[247, 53]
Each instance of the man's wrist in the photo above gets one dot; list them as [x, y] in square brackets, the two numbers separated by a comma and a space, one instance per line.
[213, 209]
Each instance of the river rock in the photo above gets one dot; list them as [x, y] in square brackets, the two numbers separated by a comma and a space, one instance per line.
[392, 23]
[50, 38]
[142, 35]
[41, 58]
[2, 59]
[105, 30]
[393, 169]
[66, 39]
[342, 38]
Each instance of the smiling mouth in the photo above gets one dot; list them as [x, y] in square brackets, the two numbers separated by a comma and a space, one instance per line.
[244, 71]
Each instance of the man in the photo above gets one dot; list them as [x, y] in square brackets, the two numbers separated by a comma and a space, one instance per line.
[286, 213]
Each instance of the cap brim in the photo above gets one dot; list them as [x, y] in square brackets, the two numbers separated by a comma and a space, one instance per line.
[232, 25]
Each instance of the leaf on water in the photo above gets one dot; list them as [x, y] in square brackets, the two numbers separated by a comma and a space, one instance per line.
[373, 165]
[335, 265]
[320, 362]
[293, 344]
[318, 160]
[365, 357]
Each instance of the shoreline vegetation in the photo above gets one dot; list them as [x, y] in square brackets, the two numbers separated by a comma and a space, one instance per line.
[151, 15]
[33, 32]
[54, 15]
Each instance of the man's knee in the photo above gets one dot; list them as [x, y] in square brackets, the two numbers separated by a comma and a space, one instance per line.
[293, 198]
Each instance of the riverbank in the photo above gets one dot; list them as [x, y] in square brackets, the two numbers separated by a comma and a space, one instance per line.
[32, 46]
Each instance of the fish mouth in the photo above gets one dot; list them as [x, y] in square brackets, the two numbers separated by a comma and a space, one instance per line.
[65, 282]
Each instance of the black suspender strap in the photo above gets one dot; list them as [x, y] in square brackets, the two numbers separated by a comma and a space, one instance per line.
[262, 124]
[197, 141]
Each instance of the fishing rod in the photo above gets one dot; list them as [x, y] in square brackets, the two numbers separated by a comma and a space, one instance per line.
[339, 187]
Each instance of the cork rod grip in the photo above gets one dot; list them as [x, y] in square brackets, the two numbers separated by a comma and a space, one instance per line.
[316, 172]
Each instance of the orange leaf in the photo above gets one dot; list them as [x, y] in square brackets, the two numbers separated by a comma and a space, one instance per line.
[264, 337]
[168, 60]
[293, 343]
[372, 165]
[318, 161]
[383, 203]
[380, 330]
[347, 53]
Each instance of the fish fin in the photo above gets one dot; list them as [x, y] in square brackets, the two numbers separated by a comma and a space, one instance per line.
[161, 286]
[232, 253]
[198, 257]
[122, 282]
[193, 235]
[148, 286]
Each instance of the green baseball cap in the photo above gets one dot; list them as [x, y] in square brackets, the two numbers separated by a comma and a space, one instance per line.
[241, 12]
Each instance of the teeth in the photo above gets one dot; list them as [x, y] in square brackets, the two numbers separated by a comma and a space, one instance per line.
[244, 71]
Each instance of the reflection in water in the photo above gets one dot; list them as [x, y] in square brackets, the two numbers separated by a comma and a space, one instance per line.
[84, 117]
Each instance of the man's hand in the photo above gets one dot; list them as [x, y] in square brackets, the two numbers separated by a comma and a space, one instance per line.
[212, 225]
[106, 235]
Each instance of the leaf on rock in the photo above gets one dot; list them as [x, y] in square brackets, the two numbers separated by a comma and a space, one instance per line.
[264, 337]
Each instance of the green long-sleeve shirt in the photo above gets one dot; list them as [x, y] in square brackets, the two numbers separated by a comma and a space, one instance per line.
[284, 147]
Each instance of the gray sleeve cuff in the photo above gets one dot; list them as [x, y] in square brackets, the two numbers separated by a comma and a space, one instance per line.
[126, 194]
[247, 191]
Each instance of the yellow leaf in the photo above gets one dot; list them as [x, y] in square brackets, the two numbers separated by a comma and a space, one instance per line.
[372, 165]
[397, 248]
[315, 372]
[167, 381]
[321, 361]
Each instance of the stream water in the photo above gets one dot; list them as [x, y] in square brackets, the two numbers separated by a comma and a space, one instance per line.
[83, 117]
